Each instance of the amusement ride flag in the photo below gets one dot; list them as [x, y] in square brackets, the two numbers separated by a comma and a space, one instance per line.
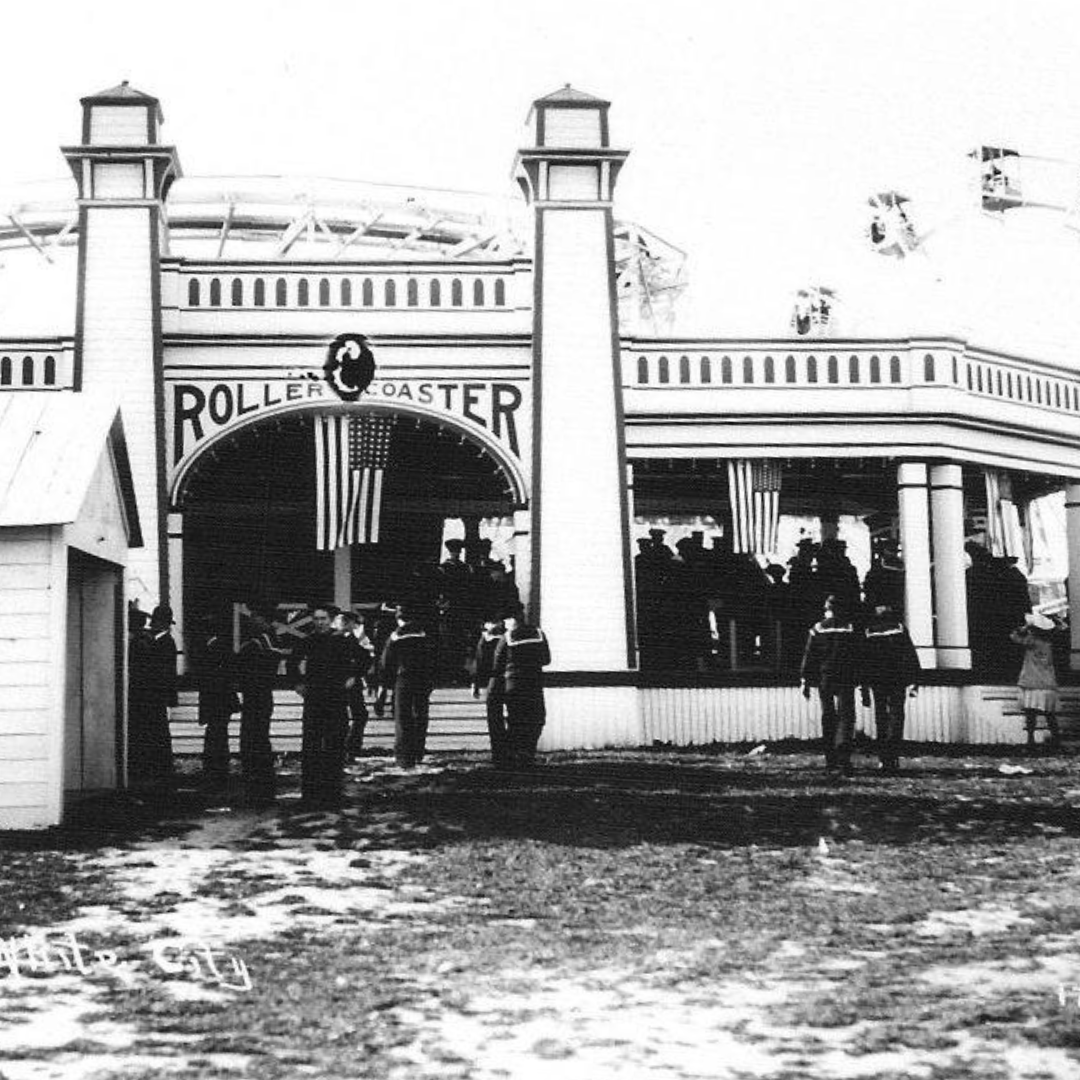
[754, 492]
[351, 454]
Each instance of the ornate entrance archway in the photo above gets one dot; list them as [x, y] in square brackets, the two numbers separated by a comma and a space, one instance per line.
[244, 527]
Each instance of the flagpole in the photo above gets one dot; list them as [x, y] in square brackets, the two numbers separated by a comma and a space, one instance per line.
[343, 577]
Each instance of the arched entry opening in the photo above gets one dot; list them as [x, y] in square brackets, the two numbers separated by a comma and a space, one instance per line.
[249, 517]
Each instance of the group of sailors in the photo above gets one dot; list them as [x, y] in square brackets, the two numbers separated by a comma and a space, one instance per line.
[690, 597]
[394, 656]
[876, 655]
[844, 652]
[455, 597]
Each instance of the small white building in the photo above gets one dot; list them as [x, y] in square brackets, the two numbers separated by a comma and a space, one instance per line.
[67, 520]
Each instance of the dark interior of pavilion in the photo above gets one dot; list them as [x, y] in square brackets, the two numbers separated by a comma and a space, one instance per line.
[704, 608]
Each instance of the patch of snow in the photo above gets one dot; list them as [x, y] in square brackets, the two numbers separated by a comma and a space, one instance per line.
[1039, 973]
[988, 919]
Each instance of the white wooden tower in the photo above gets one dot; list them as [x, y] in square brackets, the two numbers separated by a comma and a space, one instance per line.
[123, 174]
[580, 586]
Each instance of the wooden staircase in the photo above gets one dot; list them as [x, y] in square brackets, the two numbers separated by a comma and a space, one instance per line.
[458, 722]
[1004, 698]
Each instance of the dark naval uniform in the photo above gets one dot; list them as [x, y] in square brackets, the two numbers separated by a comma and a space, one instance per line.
[485, 677]
[151, 692]
[520, 657]
[890, 665]
[328, 663]
[216, 706]
[408, 668]
[358, 714]
[829, 663]
[258, 664]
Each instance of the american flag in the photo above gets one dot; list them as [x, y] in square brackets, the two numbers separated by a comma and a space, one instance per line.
[1004, 533]
[754, 492]
[351, 453]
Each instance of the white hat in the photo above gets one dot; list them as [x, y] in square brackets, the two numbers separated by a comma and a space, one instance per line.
[1039, 621]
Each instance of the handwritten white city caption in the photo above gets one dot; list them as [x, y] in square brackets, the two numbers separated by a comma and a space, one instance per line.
[47, 954]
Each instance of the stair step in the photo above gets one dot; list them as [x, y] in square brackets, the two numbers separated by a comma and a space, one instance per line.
[458, 722]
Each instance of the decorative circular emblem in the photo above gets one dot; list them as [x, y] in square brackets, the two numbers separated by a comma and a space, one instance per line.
[349, 366]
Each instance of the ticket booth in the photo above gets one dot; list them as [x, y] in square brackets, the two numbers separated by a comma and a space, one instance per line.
[67, 520]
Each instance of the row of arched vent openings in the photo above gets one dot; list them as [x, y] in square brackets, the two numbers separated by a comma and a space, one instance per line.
[7, 371]
[980, 378]
[345, 293]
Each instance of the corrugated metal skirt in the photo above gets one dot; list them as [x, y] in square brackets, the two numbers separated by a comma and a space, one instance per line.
[1044, 701]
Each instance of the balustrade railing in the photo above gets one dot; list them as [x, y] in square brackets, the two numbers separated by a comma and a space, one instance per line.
[294, 290]
[23, 367]
[1006, 379]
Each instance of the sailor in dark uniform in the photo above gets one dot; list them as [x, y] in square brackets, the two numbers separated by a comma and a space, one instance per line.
[257, 663]
[484, 678]
[217, 702]
[407, 666]
[890, 671]
[152, 692]
[520, 658]
[829, 663]
[353, 634]
[323, 666]
[456, 583]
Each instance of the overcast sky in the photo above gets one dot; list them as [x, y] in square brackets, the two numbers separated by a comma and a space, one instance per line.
[756, 129]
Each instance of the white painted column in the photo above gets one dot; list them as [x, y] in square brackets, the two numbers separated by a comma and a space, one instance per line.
[1072, 535]
[175, 597]
[523, 555]
[950, 583]
[914, 504]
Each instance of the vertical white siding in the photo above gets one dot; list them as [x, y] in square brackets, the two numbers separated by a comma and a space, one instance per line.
[26, 674]
[698, 716]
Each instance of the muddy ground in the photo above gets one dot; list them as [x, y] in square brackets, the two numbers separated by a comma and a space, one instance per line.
[639, 914]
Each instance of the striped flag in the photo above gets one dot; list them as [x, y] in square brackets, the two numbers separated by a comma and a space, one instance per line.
[754, 492]
[1004, 532]
[351, 453]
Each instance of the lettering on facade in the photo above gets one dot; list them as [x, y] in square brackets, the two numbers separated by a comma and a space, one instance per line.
[203, 409]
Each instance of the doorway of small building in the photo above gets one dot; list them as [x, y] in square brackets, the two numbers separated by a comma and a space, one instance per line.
[93, 702]
[250, 535]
